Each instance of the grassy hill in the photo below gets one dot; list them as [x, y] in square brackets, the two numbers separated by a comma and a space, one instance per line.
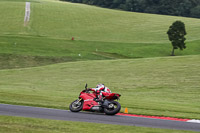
[152, 86]
[149, 80]
[99, 34]
[63, 20]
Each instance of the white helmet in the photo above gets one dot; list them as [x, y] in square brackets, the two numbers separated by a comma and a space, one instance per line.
[100, 86]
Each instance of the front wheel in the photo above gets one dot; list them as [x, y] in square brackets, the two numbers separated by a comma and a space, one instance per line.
[113, 108]
[76, 105]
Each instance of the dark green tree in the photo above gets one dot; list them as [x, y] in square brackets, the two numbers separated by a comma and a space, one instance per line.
[187, 8]
[176, 35]
[195, 12]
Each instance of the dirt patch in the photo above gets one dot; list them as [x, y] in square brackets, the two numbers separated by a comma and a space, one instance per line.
[111, 55]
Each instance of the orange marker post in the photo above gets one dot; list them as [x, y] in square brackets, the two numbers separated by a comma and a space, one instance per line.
[126, 110]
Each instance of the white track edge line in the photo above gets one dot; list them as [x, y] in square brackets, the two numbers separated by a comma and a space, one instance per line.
[194, 121]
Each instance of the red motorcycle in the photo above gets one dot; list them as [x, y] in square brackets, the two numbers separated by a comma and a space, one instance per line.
[87, 101]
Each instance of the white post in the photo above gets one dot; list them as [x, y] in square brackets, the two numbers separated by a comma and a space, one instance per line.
[27, 13]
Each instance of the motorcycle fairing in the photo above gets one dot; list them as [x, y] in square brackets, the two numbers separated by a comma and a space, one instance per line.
[88, 100]
[111, 96]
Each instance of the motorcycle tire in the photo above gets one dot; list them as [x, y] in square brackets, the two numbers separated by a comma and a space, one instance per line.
[114, 110]
[76, 107]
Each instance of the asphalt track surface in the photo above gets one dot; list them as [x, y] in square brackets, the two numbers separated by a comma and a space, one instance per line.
[56, 114]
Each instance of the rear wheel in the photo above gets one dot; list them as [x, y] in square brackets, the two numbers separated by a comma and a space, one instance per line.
[113, 108]
[76, 105]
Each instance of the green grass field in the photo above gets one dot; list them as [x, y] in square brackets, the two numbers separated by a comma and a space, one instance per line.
[17, 52]
[55, 19]
[153, 86]
[129, 52]
[11, 124]
[99, 34]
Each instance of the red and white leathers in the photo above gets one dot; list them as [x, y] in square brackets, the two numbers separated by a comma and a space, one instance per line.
[100, 89]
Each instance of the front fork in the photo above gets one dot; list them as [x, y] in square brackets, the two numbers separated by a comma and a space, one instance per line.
[79, 99]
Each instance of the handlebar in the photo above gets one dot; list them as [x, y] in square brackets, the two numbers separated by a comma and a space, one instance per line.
[86, 89]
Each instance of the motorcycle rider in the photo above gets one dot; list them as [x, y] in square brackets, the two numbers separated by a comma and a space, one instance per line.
[99, 89]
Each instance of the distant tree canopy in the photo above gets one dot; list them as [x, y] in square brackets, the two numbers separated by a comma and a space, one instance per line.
[176, 34]
[186, 8]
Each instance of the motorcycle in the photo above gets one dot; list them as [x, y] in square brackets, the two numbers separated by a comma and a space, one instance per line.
[87, 101]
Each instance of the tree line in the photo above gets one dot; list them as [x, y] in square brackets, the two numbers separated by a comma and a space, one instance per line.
[186, 8]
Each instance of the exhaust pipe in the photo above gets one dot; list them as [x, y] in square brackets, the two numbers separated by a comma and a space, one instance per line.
[96, 108]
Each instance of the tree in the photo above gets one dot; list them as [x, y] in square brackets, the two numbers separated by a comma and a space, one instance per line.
[187, 8]
[195, 12]
[176, 35]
